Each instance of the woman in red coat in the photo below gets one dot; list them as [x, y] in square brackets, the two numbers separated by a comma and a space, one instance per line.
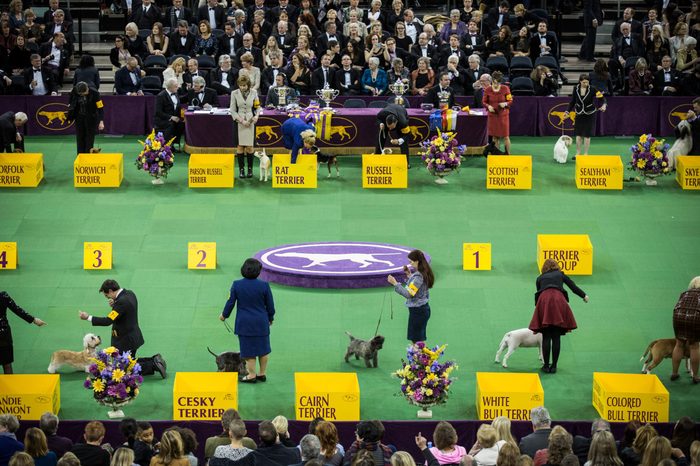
[497, 100]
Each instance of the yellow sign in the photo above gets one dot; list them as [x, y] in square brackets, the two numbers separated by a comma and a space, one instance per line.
[8, 256]
[512, 395]
[286, 174]
[509, 172]
[384, 171]
[630, 397]
[573, 253]
[201, 256]
[334, 396]
[210, 171]
[97, 256]
[21, 170]
[688, 171]
[98, 170]
[30, 396]
[476, 256]
[599, 172]
[204, 396]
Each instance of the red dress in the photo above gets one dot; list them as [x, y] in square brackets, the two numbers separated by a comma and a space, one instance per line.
[499, 122]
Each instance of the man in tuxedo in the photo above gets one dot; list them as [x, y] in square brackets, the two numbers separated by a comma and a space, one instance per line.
[124, 320]
[330, 34]
[667, 81]
[223, 79]
[474, 73]
[53, 7]
[249, 47]
[10, 123]
[127, 79]
[453, 49]
[396, 52]
[265, 26]
[433, 95]
[292, 11]
[627, 46]
[348, 78]
[58, 24]
[145, 15]
[285, 40]
[86, 109]
[212, 12]
[200, 95]
[592, 18]
[498, 17]
[250, 12]
[56, 56]
[39, 80]
[392, 126]
[167, 116]
[181, 41]
[423, 49]
[229, 42]
[457, 74]
[323, 75]
[177, 13]
[192, 72]
[268, 75]
[473, 42]
[239, 22]
[413, 26]
[627, 17]
[354, 6]
[433, 37]
[543, 42]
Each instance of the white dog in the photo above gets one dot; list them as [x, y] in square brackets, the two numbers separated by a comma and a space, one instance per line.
[561, 149]
[79, 360]
[264, 164]
[682, 145]
[515, 338]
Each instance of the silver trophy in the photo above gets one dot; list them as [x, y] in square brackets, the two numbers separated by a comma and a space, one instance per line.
[444, 97]
[282, 96]
[327, 95]
[399, 88]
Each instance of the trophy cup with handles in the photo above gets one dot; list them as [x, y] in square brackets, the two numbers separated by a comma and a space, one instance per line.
[399, 88]
[327, 95]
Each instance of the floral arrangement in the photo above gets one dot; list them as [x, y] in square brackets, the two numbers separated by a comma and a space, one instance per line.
[157, 156]
[442, 153]
[650, 156]
[424, 380]
[114, 377]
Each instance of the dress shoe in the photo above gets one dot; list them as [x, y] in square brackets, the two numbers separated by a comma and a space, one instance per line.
[546, 368]
[553, 370]
[160, 365]
[250, 173]
[247, 380]
[241, 174]
[261, 378]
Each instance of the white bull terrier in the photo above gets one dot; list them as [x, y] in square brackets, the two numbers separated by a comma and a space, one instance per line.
[515, 338]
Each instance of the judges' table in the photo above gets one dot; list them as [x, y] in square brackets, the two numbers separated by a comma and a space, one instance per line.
[353, 131]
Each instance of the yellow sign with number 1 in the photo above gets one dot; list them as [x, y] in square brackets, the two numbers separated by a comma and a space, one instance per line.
[476, 256]
[97, 256]
[201, 256]
[8, 256]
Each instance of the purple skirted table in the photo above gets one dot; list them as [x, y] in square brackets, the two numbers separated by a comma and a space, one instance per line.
[353, 131]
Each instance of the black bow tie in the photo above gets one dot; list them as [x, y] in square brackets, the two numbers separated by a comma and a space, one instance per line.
[211, 8]
[177, 10]
[37, 70]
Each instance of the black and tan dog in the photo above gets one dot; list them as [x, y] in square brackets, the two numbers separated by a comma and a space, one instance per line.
[328, 159]
[228, 361]
[367, 350]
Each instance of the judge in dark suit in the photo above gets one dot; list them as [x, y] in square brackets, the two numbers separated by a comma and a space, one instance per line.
[167, 118]
[433, 95]
[392, 126]
[177, 13]
[592, 18]
[124, 320]
[127, 79]
[86, 109]
[145, 15]
[543, 42]
[181, 41]
[212, 12]
[38, 79]
[667, 81]
[10, 123]
[200, 95]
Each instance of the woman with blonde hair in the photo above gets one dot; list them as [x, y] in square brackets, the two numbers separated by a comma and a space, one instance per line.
[35, 445]
[123, 457]
[686, 326]
[695, 453]
[134, 42]
[422, 78]
[21, 459]
[502, 426]
[402, 458]
[553, 317]
[175, 70]
[632, 456]
[271, 45]
[659, 449]
[640, 79]
[485, 450]
[508, 455]
[250, 71]
[245, 108]
[603, 451]
[171, 451]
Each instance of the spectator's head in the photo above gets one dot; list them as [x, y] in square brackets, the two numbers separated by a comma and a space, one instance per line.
[408, 15]
[570, 460]
[282, 27]
[182, 28]
[397, 64]
[15, 6]
[68, 459]
[657, 450]
[600, 67]
[145, 432]
[267, 432]
[128, 426]
[29, 15]
[192, 65]
[486, 435]
[94, 432]
[603, 449]
[402, 458]
[454, 15]
[599, 425]
[334, 46]
[485, 80]
[21, 459]
[58, 16]
[131, 64]
[560, 445]
[178, 65]
[641, 65]
[189, 441]
[423, 39]
[59, 39]
[538, 72]
[204, 27]
[251, 267]
[657, 32]
[35, 442]
[87, 61]
[171, 85]
[681, 29]
[695, 453]
[454, 41]
[239, 16]
[225, 62]
[503, 7]
[247, 60]
[550, 264]
[474, 61]
[477, 16]
[684, 433]
[497, 78]
[453, 60]
[310, 447]
[368, 431]
[508, 455]
[429, 29]
[519, 10]
[467, 4]
[472, 27]
[542, 27]
[20, 120]
[629, 434]
[373, 63]
[328, 436]
[157, 29]
[170, 446]
[504, 33]
[652, 14]
[123, 457]
[628, 14]
[48, 423]
[644, 435]
[625, 29]
[502, 426]
[525, 460]
[280, 422]
[247, 40]
[444, 436]
[131, 30]
[363, 458]
[228, 416]
[539, 416]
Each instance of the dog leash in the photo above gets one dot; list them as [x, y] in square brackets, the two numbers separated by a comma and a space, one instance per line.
[228, 327]
[391, 307]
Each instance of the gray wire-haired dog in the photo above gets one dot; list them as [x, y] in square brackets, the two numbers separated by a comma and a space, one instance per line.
[228, 361]
[367, 350]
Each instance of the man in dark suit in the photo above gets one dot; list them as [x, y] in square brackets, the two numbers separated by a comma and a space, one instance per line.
[250, 13]
[285, 40]
[539, 439]
[212, 12]
[58, 23]
[202, 96]
[223, 79]
[249, 47]
[627, 17]
[263, 23]
[543, 42]
[272, 449]
[592, 18]
[181, 41]
[323, 75]
[10, 123]
[91, 452]
[38, 79]
[56, 56]
[348, 78]
[48, 423]
[192, 72]
[229, 42]
[86, 109]
[124, 320]
[423, 49]
[145, 15]
[627, 46]
[473, 42]
[330, 34]
[268, 75]
[53, 7]
[433, 95]
[177, 13]
[167, 117]
[127, 79]
[452, 48]
[498, 17]
[393, 119]
[457, 74]
[292, 11]
[667, 81]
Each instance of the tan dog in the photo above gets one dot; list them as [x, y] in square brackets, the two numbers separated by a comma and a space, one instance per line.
[78, 360]
[660, 349]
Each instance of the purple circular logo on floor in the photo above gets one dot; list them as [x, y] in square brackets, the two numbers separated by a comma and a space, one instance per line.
[333, 265]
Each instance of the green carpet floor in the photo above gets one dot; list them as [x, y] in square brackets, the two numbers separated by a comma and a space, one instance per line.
[645, 252]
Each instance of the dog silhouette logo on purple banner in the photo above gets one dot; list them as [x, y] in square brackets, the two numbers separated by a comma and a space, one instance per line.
[334, 265]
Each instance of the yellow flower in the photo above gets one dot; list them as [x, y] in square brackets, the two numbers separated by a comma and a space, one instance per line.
[657, 154]
[98, 385]
[430, 377]
[156, 145]
[100, 366]
[111, 350]
[160, 164]
[428, 392]
[136, 391]
[641, 163]
[663, 164]
[131, 365]
[643, 138]
[117, 375]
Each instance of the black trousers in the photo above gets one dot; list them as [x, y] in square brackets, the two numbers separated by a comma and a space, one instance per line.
[174, 129]
[85, 131]
[384, 138]
[587, 51]
[147, 366]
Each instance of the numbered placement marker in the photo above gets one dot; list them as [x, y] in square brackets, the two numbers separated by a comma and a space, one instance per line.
[201, 256]
[8, 256]
[97, 256]
[476, 256]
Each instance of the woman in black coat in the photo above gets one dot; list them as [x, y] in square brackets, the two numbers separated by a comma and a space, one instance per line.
[87, 72]
[583, 101]
[6, 347]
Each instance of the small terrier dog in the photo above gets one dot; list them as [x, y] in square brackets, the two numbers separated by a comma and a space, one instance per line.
[228, 361]
[78, 360]
[514, 339]
[328, 160]
[367, 350]
[660, 349]
[264, 164]
[561, 148]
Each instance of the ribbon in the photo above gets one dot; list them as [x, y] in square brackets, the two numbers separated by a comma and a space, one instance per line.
[323, 125]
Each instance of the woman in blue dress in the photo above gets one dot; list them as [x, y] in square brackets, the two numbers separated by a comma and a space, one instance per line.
[254, 316]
